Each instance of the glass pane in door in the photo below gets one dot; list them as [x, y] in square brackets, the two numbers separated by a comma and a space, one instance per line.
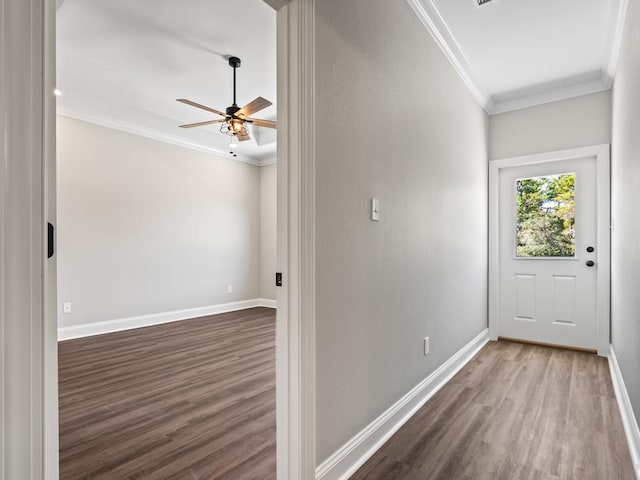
[545, 225]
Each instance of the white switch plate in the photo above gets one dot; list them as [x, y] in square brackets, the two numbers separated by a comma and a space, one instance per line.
[375, 209]
[230, 289]
[66, 307]
[426, 345]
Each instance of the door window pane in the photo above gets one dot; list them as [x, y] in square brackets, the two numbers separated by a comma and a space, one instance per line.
[545, 225]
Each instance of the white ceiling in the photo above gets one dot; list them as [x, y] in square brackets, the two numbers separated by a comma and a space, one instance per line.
[517, 53]
[123, 64]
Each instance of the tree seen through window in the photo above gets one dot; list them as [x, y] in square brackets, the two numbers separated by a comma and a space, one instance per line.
[546, 216]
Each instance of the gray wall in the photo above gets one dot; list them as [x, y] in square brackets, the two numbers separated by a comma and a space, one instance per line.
[625, 208]
[393, 121]
[147, 227]
[576, 122]
[268, 232]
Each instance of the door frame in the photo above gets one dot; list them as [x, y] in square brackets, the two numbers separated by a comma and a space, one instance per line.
[28, 336]
[295, 322]
[28, 323]
[603, 233]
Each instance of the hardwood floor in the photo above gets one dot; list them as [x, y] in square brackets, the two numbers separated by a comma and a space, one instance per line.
[196, 400]
[514, 412]
[186, 400]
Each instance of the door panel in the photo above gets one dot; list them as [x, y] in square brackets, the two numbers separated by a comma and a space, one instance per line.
[564, 299]
[547, 219]
[525, 297]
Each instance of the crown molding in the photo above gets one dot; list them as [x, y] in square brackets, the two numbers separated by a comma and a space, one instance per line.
[548, 95]
[430, 16]
[114, 124]
[268, 161]
[277, 4]
[616, 26]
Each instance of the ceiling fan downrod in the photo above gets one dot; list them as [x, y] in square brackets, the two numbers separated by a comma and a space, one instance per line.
[234, 62]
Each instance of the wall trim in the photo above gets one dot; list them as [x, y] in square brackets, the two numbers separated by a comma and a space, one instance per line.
[295, 330]
[126, 127]
[277, 4]
[26, 436]
[353, 454]
[615, 40]
[128, 323]
[540, 97]
[631, 430]
[429, 14]
[267, 302]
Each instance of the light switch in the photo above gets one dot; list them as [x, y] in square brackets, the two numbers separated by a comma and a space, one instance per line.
[375, 209]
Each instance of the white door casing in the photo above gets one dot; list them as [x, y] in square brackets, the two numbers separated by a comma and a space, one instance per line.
[295, 342]
[50, 331]
[27, 438]
[532, 299]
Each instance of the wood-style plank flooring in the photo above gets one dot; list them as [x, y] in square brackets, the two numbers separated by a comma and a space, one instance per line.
[186, 400]
[515, 412]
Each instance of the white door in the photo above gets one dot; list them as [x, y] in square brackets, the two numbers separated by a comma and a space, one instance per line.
[548, 252]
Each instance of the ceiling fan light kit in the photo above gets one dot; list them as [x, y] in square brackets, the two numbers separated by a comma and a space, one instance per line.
[236, 119]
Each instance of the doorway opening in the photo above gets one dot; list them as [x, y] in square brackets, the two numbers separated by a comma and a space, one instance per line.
[550, 248]
[157, 227]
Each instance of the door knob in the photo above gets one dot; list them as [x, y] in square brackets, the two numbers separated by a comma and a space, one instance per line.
[590, 263]
[591, 249]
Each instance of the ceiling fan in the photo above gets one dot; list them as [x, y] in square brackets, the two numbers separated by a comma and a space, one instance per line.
[235, 118]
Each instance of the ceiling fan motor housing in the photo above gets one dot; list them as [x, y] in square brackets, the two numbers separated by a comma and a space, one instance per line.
[232, 109]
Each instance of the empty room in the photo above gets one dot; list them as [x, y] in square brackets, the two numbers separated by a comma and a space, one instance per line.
[456, 246]
[166, 239]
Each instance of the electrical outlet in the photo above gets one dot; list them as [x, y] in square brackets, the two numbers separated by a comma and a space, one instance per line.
[426, 345]
[230, 289]
[66, 307]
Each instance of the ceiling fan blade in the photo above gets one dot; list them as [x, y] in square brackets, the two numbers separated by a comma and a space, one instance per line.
[262, 123]
[203, 107]
[253, 107]
[200, 124]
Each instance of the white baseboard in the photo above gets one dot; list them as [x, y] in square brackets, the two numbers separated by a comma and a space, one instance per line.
[109, 326]
[629, 421]
[267, 302]
[353, 454]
